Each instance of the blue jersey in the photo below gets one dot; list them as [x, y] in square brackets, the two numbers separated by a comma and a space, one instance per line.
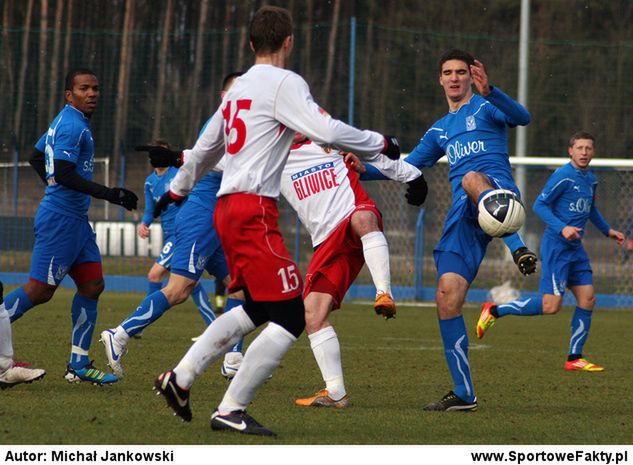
[68, 138]
[474, 138]
[206, 190]
[568, 199]
[155, 187]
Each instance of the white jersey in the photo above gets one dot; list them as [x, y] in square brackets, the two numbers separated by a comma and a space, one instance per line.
[255, 124]
[321, 189]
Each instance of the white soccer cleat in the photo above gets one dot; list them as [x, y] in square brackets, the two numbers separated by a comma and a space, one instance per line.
[114, 351]
[230, 365]
[17, 375]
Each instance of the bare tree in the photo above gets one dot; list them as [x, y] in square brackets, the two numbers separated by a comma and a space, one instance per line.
[120, 112]
[331, 53]
[23, 67]
[53, 84]
[194, 106]
[42, 66]
[67, 40]
[7, 85]
[162, 69]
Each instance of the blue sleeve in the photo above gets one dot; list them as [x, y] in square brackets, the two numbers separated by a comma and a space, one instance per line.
[514, 114]
[428, 151]
[148, 214]
[67, 142]
[372, 174]
[41, 143]
[598, 220]
[542, 205]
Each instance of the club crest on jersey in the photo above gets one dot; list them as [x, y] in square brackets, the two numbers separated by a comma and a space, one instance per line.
[202, 261]
[62, 270]
[313, 180]
[470, 123]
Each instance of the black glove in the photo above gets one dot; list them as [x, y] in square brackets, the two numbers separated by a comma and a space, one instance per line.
[392, 148]
[120, 196]
[416, 192]
[161, 157]
[164, 201]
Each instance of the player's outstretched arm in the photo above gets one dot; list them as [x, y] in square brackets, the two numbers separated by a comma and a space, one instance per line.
[66, 176]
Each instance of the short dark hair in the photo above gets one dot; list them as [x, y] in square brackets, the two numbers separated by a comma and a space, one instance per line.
[269, 28]
[229, 77]
[70, 77]
[581, 135]
[456, 54]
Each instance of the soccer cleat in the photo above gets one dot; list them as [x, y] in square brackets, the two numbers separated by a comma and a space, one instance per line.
[220, 302]
[114, 351]
[19, 374]
[582, 364]
[230, 365]
[176, 397]
[323, 399]
[486, 319]
[451, 403]
[525, 260]
[385, 306]
[240, 422]
[89, 374]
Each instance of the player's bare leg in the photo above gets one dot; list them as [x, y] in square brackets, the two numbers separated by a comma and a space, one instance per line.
[475, 184]
[376, 253]
[327, 352]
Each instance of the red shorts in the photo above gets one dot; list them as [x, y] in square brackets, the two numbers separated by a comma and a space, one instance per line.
[255, 252]
[338, 260]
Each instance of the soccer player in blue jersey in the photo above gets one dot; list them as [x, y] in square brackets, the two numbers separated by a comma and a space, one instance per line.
[64, 241]
[473, 136]
[196, 248]
[565, 204]
[156, 184]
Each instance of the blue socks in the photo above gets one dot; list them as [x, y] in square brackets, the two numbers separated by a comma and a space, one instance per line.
[151, 309]
[580, 324]
[153, 287]
[513, 242]
[455, 341]
[200, 297]
[232, 303]
[84, 317]
[17, 304]
[522, 307]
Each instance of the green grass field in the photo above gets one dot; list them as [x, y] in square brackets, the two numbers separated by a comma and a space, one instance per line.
[392, 369]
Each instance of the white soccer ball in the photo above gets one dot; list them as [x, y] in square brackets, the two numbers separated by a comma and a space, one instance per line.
[500, 213]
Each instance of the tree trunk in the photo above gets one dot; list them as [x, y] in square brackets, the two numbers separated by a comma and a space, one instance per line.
[7, 86]
[67, 40]
[331, 53]
[162, 69]
[307, 46]
[42, 113]
[53, 86]
[194, 102]
[17, 124]
[120, 115]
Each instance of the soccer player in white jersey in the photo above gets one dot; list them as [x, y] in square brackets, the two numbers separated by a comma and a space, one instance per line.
[346, 230]
[11, 373]
[255, 126]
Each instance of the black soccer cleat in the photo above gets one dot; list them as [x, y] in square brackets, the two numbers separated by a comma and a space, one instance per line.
[525, 260]
[176, 397]
[240, 422]
[451, 403]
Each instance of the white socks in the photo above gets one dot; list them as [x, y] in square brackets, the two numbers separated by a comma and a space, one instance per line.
[327, 352]
[260, 360]
[376, 252]
[216, 340]
[6, 343]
